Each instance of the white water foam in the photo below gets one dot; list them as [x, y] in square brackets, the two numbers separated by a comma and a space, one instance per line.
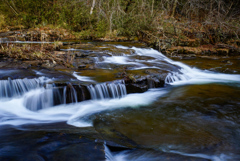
[131, 156]
[121, 47]
[186, 74]
[119, 60]
[131, 100]
[108, 154]
[218, 157]
[82, 78]
[74, 114]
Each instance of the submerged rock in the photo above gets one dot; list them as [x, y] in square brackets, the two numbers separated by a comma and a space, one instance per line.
[50, 142]
[113, 138]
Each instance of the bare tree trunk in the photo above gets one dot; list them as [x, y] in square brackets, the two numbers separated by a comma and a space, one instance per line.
[93, 5]
[174, 8]
[219, 6]
[211, 8]
[110, 22]
[152, 7]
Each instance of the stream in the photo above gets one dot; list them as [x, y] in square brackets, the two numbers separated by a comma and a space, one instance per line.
[92, 114]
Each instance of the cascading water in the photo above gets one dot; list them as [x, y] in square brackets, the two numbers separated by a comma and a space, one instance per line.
[35, 95]
[162, 116]
[50, 96]
[69, 94]
[108, 154]
[43, 98]
[185, 74]
[175, 77]
[12, 88]
[115, 89]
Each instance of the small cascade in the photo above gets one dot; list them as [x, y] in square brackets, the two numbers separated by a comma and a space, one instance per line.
[150, 83]
[41, 98]
[51, 96]
[12, 88]
[108, 154]
[108, 90]
[175, 77]
[70, 94]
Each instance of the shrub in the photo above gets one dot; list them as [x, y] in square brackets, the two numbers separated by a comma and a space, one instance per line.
[2, 21]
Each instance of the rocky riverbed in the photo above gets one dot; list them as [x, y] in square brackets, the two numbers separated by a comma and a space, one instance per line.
[96, 100]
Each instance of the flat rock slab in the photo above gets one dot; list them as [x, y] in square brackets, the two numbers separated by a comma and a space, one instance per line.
[57, 141]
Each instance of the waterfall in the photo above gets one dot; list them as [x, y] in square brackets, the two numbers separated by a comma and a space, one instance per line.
[108, 154]
[176, 76]
[12, 88]
[69, 94]
[40, 99]
[50, 96]
[115, 89]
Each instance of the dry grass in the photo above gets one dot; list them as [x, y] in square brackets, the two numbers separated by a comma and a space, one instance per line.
[26, 51]
[36, 52]
[2, 21]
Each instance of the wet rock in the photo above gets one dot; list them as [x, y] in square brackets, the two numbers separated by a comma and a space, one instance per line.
[33, 63]
[81, 55]
[49, 64]
[113, 138]
[119, 143]
[50, 142]
[148, 154]
[154, 82]
[136, 84]
[89, 151]
[136, 88]
[63, 76]
[69, 90]
[85, 60]
[14, 73]
[85, 63]
[82, 66]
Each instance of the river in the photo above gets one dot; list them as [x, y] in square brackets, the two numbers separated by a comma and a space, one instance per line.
[195, 116]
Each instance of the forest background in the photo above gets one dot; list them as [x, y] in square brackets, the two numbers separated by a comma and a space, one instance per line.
[161, 23]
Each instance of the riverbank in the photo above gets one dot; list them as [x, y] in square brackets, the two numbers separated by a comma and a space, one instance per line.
[48, 47]
[176, 41]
